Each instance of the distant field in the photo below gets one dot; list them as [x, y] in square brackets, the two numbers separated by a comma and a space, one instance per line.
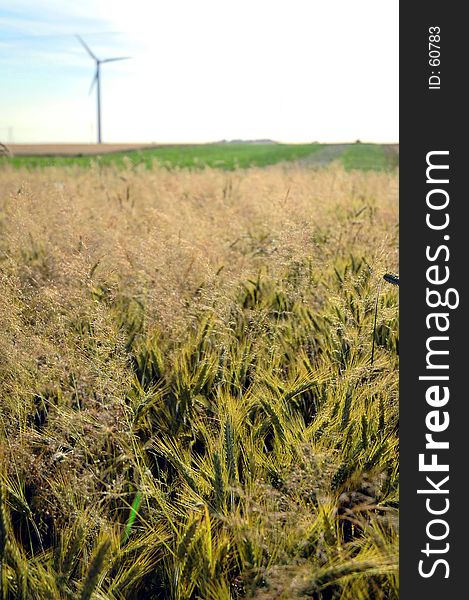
[370, 156]
[224, 156]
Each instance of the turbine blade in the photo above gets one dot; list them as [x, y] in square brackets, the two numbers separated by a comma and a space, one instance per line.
[94, 82]
[114, 59]
[85, 46]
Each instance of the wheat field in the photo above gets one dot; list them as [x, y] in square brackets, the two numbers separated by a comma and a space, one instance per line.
[189, 409]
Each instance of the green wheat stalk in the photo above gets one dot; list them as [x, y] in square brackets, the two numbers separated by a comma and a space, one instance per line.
[95, 569]
[218, 481]
[229, 448]
[132, 516]
[374, 324]
[390, 278]
[3, 539]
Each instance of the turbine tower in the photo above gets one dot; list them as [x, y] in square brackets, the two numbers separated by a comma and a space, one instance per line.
[97, 80]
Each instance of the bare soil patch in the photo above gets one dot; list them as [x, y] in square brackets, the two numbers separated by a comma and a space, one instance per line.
[72, 149]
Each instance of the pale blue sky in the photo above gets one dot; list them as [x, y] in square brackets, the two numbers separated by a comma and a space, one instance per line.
[290, 70]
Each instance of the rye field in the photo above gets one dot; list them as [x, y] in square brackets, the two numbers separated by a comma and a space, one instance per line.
[199, 380]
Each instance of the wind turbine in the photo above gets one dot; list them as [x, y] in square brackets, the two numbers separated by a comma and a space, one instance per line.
[97, 79]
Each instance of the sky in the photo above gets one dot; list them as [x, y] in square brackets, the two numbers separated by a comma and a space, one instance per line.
[201, 70]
